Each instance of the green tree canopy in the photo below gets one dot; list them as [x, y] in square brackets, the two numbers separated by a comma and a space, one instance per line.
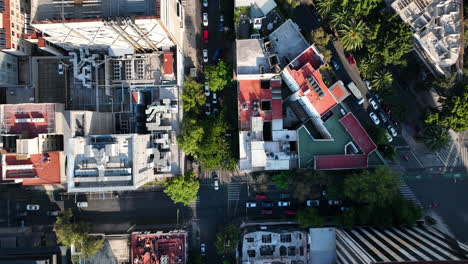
[228, 239]
[309, 218]
[360, 7]
[353, 34]
[453, 114]
[307, 185]
[218, 75]
[321, 40]
[324, 7]
[182, 189]
[193, 97]
[76, 233]
[191, 139]
[382, 80]
[281, 179]
[376, 187]
[435, 137]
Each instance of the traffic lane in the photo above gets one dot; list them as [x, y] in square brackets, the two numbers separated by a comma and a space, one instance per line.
[36, 217]
[215, 35]
[450, 195]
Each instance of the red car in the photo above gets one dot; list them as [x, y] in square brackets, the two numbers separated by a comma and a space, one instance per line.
[289, 212]
[266, 212]
[350, 58]
[205, 36]
[260, 196]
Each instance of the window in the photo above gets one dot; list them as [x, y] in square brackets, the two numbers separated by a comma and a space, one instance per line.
[251, 253]
[12, 33]
[249, 239]
[283, 251]
[178, 9]
[285, 238]
[291, 251]
[266, 238]
[266, 105]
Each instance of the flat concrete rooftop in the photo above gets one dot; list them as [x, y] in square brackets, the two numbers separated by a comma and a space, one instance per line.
[250, 56]
[287, 41]
[83, 9]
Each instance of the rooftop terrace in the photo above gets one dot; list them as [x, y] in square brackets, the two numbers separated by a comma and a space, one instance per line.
[287, 42]
[35, 169]
[158, 248]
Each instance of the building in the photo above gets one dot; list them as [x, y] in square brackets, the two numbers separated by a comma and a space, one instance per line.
[259, 8]
[322, 245]
[15, 28]
[329, 136]
[159, 247]
[9, 72]
[279, 243]
[118, 162]
[437, 26]
[31, 143]
[123, 26]
[417, 244]
[255, 61]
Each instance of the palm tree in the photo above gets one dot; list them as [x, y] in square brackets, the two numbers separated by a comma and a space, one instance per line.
[382, 80]
[352, 35]
[436, 137]
[324, 7]
[340, 18]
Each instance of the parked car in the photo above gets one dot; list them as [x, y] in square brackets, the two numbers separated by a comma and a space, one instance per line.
[203, 249]
[368, 84]
[289, 212]
[335, 64]
[23, 214]
[267, 204]
[207, 89]
[382, 115]
[205, 19]
[205, 55]
[374, 104]
[205, 3]
[378, 97]
[344, 209]
[221, 23]
[334, 202]
[260, 196]
[216, 55]
[313, 203]
[251, 204]
[61, 68]
[32, 207]
[374, 118]
[388, 136]
[284, 203]
[392, 130]
[82, 204]
[216, 184]
[52, 213]
[266, 212]
[208, 109]
[205, 36]
[215, 98]
[350, 58]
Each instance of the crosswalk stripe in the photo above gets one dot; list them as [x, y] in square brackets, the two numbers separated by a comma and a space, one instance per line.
[408, 194]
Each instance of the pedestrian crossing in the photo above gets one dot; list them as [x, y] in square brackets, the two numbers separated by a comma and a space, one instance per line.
[408, 194]
[233, 191]
[454, 156]
[195, 203]
[408, 160]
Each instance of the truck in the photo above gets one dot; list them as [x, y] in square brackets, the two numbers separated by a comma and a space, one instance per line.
[355, 91]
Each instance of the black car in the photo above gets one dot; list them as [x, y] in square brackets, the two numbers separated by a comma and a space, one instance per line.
[267, 204]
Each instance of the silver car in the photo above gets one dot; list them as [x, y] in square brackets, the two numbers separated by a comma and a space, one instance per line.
[32, 207]
[205, 19]
[374, 118]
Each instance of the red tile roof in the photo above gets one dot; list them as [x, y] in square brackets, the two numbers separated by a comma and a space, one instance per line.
[362, 139]
[339, 92]
[168, 61]
[148, 249]
[45, 169]
[307, 56]
[29, 119]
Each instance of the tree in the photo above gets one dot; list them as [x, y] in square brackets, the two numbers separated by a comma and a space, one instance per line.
[324, 7]
[281, 180]
[369, 64]
[321, 40]
[193, 97]
[404, 212]
[309, 218]
[218, 75]
[435, 137]
[378, 135]
[352, 35]
[191, 138]
[340, 18]
[308, 185]
[76, 233]
[382, 80]
[360, 7]
[453, 114]
[293, 3]
[388, 151]
[228, 239]
[182, 189]
[347, 218]
[375, 187]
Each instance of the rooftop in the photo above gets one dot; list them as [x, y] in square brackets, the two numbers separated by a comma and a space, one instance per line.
[251, 57]
[154, 248]
[35, 169]
[43, 10]
[265, 6]
[287, 42]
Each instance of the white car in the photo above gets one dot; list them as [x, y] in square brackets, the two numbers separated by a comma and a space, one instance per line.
[32, 207]
[203, 249]
[392, 130]
[388, 136]
[216, 184]
[374, 118]
[313, 203]
[205, 55]
[205, 3]
[284, 203]
[208, 109]
[250, 204]
[207, 89]
[215, 98]
[374, 104]
[205, 19]
[82, 204]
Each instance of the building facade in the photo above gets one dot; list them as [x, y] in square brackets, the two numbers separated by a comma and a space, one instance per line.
[15, 27]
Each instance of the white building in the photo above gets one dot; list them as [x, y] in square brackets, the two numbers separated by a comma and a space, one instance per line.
[437, 26]
[109, 163]
[124, 26]
[9, 69]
